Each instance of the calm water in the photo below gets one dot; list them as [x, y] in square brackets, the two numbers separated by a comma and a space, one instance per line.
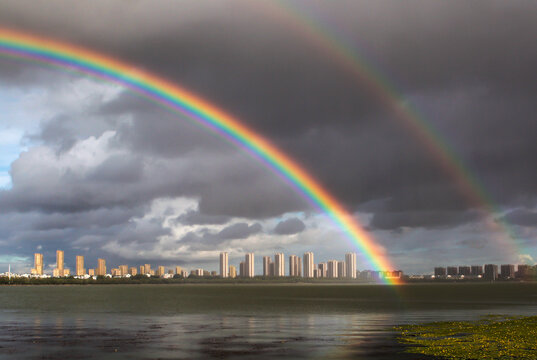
[236, 321]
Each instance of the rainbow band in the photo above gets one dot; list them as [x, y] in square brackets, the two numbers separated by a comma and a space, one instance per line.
[177, 99]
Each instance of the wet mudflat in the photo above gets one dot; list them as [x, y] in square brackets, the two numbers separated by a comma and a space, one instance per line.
[236, 322]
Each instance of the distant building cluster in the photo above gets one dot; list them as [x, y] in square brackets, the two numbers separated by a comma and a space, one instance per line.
[302, 267]
[487, 272]
[298, 266]
[100, 270]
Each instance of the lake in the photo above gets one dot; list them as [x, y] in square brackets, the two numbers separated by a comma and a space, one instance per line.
[237, 321]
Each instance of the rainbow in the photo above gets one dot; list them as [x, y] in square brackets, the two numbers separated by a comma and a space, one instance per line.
[48, 51]
[304, 21]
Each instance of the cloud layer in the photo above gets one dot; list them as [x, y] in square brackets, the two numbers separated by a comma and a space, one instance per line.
[98, 161]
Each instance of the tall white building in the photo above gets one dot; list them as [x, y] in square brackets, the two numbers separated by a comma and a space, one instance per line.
[266, 266]
[309, 266]
[249, 265]
[332, 269]
[279, 265]
[224, 265]
[293, 266]
[350, 265]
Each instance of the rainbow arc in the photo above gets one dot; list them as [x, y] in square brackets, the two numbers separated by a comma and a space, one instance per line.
[158, 90]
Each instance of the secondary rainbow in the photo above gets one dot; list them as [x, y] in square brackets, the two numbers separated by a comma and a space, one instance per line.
[306, 21]
[44, 50]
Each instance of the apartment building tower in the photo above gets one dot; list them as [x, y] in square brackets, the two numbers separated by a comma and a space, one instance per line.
[309, 265]
[266, 266]
[332, 272]
[101, 267]
[224, 265]
[249, 265]
[350, 265]
[80, 271]
[279, 265]
[38, 264]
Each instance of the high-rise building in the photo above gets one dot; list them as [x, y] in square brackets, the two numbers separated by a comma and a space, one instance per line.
[299, 266]
[38, 264]
[232, 271]
[101, 267]
[91, 272]
[309, 266]
[476, 270]
[452, 271]
[293, 266]
[147, 269]
[224, 265]
[279, 265]
[440, 271]
[323, 270]
[80, 271]
[249, 265]
[160, 271]
[350, 265]
[59, 263]
[178, 270]
[199, 272]
[123, 270]
[508, 271]
[133, 271]
[115, 272]
[523, 271]
[242, 270]
[142, 270]
[341, 270]
[491, 272]
[465, 271]
[271, 269]
[266, 265]
[332, 269]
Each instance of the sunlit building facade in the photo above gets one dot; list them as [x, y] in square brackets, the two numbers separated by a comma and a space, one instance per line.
[332, 272]
[101, 267]
[224, 265]
[232, 271]
[249, 265]
[80, 271]
[309, 265]
[279, 265]
[350, 265]
[38, 264]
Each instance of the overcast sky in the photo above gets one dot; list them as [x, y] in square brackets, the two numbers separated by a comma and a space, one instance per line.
[91, 169]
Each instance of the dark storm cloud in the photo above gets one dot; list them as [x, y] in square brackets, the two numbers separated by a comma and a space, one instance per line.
[426, 219]
[289, 227]
[522, 217]
[206, 239]
[281, 84]
[193, 217]
[239, 231]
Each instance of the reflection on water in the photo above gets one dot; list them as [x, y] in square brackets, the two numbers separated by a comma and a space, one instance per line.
[31, 328]
[197, 336]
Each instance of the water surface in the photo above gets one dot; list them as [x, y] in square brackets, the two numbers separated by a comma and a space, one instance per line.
[236, 321]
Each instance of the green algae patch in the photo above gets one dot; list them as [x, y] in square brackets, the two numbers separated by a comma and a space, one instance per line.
[493, 337]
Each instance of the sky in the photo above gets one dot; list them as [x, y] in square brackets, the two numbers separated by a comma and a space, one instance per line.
[90, 168]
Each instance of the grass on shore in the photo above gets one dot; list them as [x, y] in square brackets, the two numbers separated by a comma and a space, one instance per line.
[493, 337]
